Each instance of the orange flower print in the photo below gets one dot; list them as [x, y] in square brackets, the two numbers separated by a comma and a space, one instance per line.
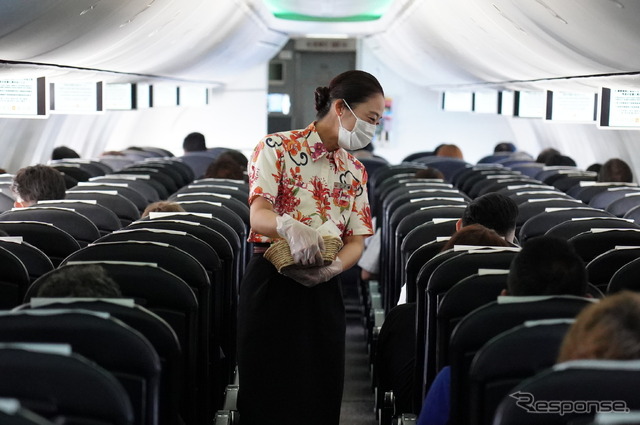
[321, 196]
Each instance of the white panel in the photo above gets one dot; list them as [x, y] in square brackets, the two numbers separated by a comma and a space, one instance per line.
[485, 102]
[573, 107]
[532, 104]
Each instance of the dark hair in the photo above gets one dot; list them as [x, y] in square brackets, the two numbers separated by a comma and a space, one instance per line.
[595, 167]
[162, 206]
[544, 155]
[62, 152]
[493, 210]
[352, 86]
[429, 173]
[607, 330]
[78, 281]
[615, 170]
[194, 142]
[224, 167]
[38, 183]
[505, 147]
[236, 156]
[547, 266]
[475, 234]
[560, 160]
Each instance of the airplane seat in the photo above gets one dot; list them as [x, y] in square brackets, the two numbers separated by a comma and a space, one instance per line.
[603, 267]
[530, 169]
[63, 388]
[412, 157]
[633, 214]
[448, 166]
[198, 162]
[555, 172]
[567, 183]
[104, 219]
[181, 172]
[6, 202]
[122, 207]
[35, 261]
[604, 198]
[575, 383]
[462, 298]
[116, 347]
[129, 193]
[93, 168]
[467, 182]
[136, 182]
[594, 242]
[443, 278]
[78, 226]
[53, 241]
[14, 280]
[74, 171]
[623, 205]
[529, 195]
[241, 193]
[533, 207]
[530, 348]
[484, 323]
[625, 278]
[116, 162]
[417, 261]
[13, 413]
[159, 333]
[382, 173]
[569, 229]
[240, 208]
[162, 183]
[240, 184]
[496, 185]
[539, 224]
[495, 157]
[184, 265]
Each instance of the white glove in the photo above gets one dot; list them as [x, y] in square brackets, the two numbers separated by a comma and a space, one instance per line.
[312, 276]
[305, 243]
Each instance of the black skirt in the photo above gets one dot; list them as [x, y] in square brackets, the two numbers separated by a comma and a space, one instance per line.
[291, 343]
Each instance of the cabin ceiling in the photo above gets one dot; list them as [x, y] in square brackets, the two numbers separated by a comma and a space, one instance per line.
[430, 42]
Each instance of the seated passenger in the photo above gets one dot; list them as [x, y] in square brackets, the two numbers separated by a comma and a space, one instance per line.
[429, 173]
[37, 183]
[504, 147]
[560, 160]
[450, 151]
[225, 167]
[545, 266]
[615, 170]
[194, 142]
[62, 152]
[79, 281]
[607, 330]
[162, 206]
[545, 154]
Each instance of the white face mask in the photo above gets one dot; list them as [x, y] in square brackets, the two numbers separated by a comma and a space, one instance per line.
[357, 138]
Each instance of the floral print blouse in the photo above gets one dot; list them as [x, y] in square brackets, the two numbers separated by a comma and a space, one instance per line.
[294, 171]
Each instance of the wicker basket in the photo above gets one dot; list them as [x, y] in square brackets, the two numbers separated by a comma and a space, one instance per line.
[279, 253]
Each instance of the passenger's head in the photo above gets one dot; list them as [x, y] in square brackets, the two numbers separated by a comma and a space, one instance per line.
[194, 142]
[545, 154]
[37, 183]
[475, 234]
[429, 173]
[504, 147]
[615, 170]
[225, 167]
[450, 151]
[162, 206]
[595, 167]
[78, 281]
[236, 156]
[607, 330]
[62, 152]
[547, 266]
[495, 211]
[560, 160]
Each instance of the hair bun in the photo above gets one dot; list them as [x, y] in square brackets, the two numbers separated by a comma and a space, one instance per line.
[322, 97]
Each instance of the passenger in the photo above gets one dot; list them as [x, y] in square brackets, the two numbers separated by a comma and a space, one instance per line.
[615, 170]
[450, 151]
[291, 326]
[395, 354]
[62, 152]
[225, 167]
[545, 154]
[429, 173]
[504, 147]
[162, 206]
[545, 266]
[194, 142]
[560, 160]
[78, 281]
[608, 330]
[37, 183]
[595, 167]
[495, 211]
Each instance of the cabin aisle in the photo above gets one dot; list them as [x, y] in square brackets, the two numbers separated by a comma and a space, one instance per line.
[357, 400]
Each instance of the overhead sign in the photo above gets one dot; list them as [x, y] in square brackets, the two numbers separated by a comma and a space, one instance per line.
[23, 98]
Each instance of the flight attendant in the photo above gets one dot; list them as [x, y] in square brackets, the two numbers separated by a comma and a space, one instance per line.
[291, 326]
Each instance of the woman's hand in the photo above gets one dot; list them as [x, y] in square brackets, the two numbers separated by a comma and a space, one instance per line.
[305, 243]
[312, 276]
